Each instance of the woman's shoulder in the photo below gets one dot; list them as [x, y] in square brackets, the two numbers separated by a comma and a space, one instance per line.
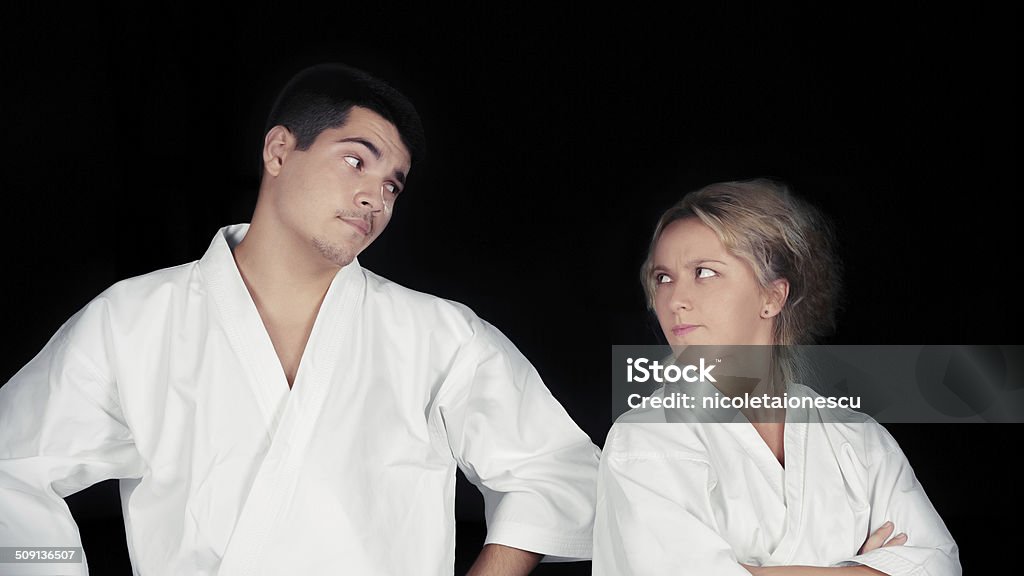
[645, 434]
[843, 425]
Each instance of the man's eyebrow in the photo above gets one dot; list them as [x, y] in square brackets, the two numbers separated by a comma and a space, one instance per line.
[398, 174]
[369, 145]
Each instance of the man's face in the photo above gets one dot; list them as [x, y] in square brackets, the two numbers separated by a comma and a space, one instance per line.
[338, 194]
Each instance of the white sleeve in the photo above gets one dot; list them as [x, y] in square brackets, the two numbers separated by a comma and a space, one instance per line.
[654, 514]
[536, 469]
[61, 430]
[897, 496]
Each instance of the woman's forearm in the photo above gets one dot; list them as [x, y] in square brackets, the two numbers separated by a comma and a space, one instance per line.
[811, 571]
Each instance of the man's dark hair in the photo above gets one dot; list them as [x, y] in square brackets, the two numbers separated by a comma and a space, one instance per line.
[320, 97]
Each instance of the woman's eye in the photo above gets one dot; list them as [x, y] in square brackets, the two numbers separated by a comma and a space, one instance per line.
[354, 162]
[705, 272]
[662, 278]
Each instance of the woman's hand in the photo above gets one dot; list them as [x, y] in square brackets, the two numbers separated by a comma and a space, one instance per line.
[879, 537]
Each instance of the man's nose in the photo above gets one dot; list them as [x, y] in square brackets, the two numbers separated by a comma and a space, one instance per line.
[371, 198]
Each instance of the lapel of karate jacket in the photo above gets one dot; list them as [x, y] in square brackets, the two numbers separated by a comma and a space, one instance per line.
[787, 483]
[290, 415]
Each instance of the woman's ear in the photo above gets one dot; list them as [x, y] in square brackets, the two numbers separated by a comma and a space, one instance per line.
[278, 142]
[775, 298]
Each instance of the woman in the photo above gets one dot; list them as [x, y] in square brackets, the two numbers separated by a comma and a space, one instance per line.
[791, 491]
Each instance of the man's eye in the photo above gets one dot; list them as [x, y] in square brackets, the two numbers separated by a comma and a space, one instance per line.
[391, 188]
[354, 161]
[661, 278]
[705, 272]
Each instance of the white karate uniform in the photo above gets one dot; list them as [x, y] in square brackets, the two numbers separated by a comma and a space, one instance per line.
[699, 498]
[170, 381]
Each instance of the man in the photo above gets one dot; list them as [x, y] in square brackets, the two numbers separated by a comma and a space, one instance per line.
[274, 408]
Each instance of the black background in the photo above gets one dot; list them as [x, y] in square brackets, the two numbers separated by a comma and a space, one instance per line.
[555, 140]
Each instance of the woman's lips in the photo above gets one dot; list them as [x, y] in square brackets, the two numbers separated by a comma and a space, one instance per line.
[682, 329]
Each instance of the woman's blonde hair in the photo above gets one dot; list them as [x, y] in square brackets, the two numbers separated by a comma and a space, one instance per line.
[780, 236]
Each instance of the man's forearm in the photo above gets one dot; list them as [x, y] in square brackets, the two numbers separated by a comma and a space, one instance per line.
[498, 560]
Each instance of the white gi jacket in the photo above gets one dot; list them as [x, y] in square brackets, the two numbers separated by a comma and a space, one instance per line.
[171, 381]
[699, 498]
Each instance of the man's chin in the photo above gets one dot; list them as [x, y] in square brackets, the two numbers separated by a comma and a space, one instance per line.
[336, 254]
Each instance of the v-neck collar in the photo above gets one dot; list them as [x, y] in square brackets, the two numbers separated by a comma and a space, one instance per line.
[247, 333]
[787, 482]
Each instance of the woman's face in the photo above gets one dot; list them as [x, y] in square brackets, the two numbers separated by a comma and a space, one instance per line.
[706, 296]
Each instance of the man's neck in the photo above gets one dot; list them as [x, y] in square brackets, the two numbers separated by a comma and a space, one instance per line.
[278, 271]
[286, 287]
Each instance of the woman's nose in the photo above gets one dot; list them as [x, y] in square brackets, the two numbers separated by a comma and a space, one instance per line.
[680, 299]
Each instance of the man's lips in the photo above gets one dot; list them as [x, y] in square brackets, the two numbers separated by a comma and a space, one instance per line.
[358, 224]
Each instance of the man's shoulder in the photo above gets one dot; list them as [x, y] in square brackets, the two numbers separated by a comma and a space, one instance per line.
[416, 301]
[168, 280]
[132, 302]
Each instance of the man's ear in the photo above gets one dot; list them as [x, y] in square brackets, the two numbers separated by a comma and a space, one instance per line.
[775, 298]
[277, 144]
